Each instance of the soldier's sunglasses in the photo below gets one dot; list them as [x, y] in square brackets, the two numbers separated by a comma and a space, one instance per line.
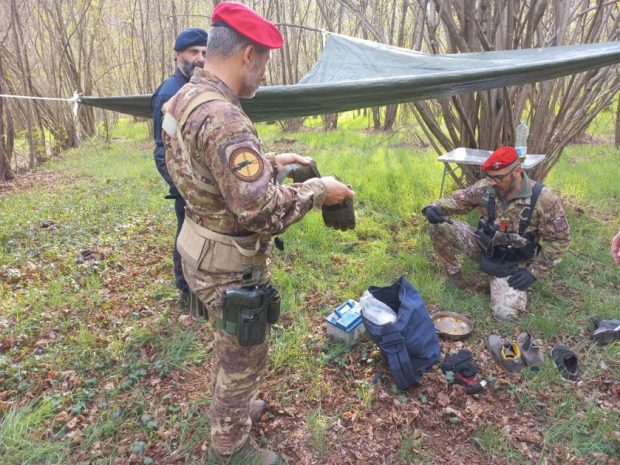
[499, 177]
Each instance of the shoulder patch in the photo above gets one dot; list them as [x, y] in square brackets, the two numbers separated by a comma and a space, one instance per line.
[246, 164]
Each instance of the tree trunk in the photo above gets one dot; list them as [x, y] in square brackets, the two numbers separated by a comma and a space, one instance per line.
[617, 138]
[376, 118]
[390, 117]
[6, 140]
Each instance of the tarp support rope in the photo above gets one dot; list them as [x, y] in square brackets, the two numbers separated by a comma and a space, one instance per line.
[75, 98]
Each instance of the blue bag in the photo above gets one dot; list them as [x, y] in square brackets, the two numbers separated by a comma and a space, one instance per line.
[410, 344]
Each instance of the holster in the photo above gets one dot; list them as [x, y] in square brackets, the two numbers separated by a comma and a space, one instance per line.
[206, 250]
[246, 312]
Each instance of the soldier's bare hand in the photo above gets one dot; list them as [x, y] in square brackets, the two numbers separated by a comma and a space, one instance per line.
[335, 191]
[283, 159]
[615, 249]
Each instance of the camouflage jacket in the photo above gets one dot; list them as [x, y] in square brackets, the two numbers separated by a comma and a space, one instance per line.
[229, 184]
[548, 223]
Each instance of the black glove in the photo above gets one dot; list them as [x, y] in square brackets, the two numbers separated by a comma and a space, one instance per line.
[521, 279]
[460, 362]
[498, 268]
[485, 242]
[434, 215]
[298, 172]
[340, 216]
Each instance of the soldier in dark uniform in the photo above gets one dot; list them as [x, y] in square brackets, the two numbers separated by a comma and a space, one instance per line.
[190, 47]
[522, 234]
[234, 207]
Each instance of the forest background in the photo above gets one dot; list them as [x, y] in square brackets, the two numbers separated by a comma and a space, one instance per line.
[99, 366]
[55, 48]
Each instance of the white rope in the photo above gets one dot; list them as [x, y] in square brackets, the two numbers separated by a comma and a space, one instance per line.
[26, 97]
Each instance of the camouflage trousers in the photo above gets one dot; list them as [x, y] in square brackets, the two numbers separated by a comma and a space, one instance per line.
[459, 237]
[237, 370]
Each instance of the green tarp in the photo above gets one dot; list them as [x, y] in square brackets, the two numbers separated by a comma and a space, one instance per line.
[353, 73]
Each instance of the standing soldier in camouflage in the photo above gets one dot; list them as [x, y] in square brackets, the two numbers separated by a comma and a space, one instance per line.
[234, 206]
[190, 47]
[521, 236]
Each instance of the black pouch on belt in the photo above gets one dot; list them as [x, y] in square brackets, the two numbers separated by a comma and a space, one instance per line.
[244, 316]
[271, 301]
[247, 311]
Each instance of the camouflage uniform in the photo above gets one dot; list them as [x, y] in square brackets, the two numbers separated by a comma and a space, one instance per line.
[230, 189]
[548, 224]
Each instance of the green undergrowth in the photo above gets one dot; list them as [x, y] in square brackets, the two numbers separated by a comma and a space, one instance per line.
[88, 324]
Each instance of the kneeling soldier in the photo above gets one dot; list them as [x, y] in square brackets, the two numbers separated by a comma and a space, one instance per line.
[522, 234]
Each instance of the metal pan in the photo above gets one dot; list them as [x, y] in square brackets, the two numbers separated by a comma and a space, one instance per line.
[453, 326]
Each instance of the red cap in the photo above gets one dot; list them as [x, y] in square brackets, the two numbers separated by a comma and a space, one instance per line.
[501, 158]
[248, 23]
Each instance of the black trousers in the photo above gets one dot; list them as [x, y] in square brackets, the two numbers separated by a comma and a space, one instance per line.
[179, 209]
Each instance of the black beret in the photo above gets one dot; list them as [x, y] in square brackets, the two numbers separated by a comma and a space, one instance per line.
[190, 37]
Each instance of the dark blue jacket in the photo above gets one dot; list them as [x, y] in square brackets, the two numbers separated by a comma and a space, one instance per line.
[162, 94]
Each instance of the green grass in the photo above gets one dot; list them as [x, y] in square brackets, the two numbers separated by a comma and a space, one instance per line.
[99, 339]
[495, 443]
[410, 449]
[22, 441]
[317, 425]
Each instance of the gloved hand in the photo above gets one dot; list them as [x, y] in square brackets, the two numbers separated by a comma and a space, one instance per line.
[485, 242]
[340, 216]
[434, 215]
[497, 268]
[521, 279]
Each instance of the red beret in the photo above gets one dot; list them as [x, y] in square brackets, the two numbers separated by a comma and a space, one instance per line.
[248, 23]
[501, 158]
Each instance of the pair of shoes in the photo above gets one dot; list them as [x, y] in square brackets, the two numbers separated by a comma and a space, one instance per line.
[531, 353]
[566, 362]
[606, 332]
[506, 353]
[247, 455]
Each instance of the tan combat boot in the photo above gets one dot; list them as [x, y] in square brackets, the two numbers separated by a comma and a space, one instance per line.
[457, 280]
[257, 408]
[247, 455]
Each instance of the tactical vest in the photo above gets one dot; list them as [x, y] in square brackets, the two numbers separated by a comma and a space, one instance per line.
[487, 230]
[200, 247]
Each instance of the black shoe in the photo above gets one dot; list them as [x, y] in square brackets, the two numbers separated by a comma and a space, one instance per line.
[184, 300]
[566, 362]
[606, 332]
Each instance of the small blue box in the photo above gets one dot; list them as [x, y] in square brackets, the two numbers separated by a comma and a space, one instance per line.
[345, 322]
